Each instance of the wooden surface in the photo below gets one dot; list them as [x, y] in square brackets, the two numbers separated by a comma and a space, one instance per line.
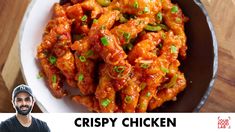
[222, 97]
[221, 12]
[11, 14]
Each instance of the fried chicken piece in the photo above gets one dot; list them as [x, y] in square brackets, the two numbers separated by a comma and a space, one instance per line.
[105, 92]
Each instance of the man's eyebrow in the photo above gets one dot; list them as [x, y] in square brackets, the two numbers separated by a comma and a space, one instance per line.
[23, 98]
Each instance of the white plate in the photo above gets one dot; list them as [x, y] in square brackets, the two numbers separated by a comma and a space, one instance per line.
[35, 20]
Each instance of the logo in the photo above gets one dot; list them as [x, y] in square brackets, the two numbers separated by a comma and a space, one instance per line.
[22, 88]
[224, 123]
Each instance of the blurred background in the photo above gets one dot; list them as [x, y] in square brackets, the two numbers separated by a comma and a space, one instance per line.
[221, 12]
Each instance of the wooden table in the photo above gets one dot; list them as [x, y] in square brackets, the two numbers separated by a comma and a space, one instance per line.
[222, 14]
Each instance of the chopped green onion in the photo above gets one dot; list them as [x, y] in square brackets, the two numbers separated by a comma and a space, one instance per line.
[159, 16]
[174, 9]
[104, 41]
[140, 13]
[104, 2]
[163, 36]
[160, 46]
[173, 49]
[146, 9]
[165, 70]
[152, 28]
[80, 77]
[103, 27]
[148, 94]
[172, 82]
[140, 22]
[95, 20]
[144, 65]
[143, 85]
[136, 5]
[122, 19]
[129, 46]
[105, 102]
[82, 58]
[84, 18]
[142, 105]
[52, 59]
[126, 36]
[40, 75]
[89, 53]
[119, 69]
[178, 20]
[53, 79]
[164, 27]
[128, 99]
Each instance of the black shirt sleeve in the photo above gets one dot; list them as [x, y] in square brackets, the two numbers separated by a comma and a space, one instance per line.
[6, 125]
[46, 128]
[1, 129]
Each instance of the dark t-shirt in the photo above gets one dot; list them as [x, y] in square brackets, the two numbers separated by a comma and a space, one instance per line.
[13, 125]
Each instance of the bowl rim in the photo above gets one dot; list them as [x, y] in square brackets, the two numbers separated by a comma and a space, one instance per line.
[215, 61]
[214, 43]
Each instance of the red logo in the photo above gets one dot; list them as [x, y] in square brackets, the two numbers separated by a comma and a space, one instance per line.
[224, 123]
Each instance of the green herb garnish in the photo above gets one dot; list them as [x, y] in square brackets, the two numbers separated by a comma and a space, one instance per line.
[173, 49]
[104, 41]
[80, 77]
[128, 99]
[105, 102]
[82, 58]
[84, 18]
[136, 5]
[52, 59]
[174, 9]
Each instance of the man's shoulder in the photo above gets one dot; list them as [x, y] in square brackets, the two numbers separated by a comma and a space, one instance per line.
[40, 123]
[7, 124]
[9, 120]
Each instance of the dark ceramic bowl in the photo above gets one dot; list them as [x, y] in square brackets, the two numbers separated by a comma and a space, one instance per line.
[200, 66]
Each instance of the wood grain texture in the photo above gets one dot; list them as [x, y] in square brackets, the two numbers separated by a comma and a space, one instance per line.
[10, 71]
[11, 14]
[222, 14]
[222, 97]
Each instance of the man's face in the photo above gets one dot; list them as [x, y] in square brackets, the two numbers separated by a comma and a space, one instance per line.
[23, 103]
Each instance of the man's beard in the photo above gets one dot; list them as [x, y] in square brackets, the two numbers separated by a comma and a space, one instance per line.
[24, 112]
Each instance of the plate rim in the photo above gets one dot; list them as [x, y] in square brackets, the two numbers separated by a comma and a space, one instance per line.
[213, 37]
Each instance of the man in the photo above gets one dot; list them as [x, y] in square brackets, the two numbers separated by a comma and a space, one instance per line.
[23, 102]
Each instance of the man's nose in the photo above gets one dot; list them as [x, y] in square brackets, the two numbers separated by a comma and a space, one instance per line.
[24, 102]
